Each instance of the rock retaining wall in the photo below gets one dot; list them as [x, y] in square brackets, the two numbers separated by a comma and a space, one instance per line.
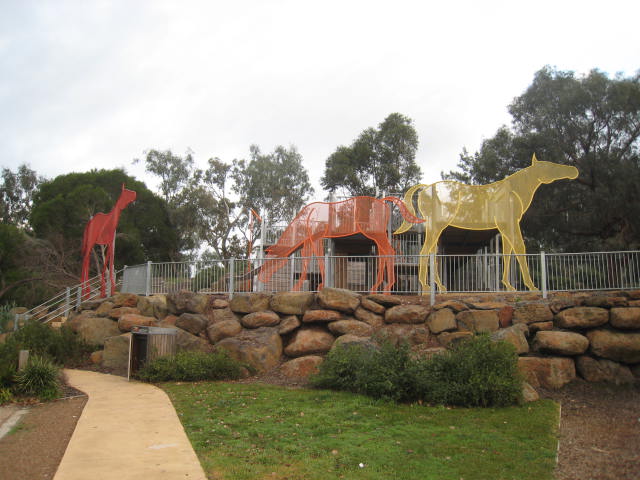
[594, 336]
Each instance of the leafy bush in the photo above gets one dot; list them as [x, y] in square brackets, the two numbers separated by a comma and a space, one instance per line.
[191, 367]
[5, 395]
[40, 378]
[5, 317]
[383, 372]
[477, 372]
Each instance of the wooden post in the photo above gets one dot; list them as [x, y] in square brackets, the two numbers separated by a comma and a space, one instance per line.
[23, 359]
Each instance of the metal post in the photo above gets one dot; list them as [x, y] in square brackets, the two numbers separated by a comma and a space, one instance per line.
[543, 274]
[432, 277]
[147, 288]
[232, 274]
[67, 300]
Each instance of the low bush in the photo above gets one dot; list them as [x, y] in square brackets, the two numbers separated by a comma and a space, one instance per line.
[383, 372]
[191, 367]
[5, 395]
[474, 373]
[40, 378]
[5, 317]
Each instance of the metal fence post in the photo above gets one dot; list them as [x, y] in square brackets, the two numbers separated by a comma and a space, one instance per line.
[432, 277]
[147, 287]
[232, 274]
[543, 274]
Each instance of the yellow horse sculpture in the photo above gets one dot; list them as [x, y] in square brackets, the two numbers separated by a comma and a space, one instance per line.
[482, 207]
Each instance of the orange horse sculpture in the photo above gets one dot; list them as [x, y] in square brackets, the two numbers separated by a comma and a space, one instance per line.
[366, 215]
[101, 230]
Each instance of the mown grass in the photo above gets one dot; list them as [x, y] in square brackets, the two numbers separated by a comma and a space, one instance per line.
[257, 431]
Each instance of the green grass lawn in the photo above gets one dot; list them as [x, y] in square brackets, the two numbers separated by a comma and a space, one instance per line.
[264, 432]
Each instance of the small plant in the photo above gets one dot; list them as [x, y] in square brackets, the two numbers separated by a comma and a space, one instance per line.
[40, 378]
[385, 372]
[475, 373]
[5, 317]
[5, 396]
[191, 367]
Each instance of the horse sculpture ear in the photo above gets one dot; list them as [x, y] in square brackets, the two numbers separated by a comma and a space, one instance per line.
[534, 160]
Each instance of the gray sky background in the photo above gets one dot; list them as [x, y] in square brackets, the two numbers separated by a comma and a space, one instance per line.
[93, 84]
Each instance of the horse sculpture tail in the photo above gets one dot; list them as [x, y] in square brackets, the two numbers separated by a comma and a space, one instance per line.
[406, 209]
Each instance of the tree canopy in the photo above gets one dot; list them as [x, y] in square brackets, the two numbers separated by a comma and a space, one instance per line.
[16, 190]
[591, 122]
[380, 161]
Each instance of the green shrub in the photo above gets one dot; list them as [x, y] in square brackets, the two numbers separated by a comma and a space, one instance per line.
[384, 372]
[40, 378]
[5, 395]
[191, 367]
[476, 372]
[5, 317]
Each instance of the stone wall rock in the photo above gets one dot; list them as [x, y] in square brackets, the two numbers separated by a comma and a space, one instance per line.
[260, 319]
[338, 299]
[560, 343]
[582, 317]
[129, 320]
[368, 316]
[221, 315]
[617, 346]
[478, 321]
[374, 307]
[104, 308]
[260, 348]
[125, 300]
[406, 314]
[603, 370]
[94, 330]
[532, 312]
[312, 316]
[547, 372]
[351, 327]
[153, 306]
[224, 329]
[250, 302]
[288, 324]
[116, 353]
[625, 318]
[301, 367]
[442, 320]
[192, 323]
[118, 312]
[291, 303]
[308, 341]
[515, 335]
[186, 302]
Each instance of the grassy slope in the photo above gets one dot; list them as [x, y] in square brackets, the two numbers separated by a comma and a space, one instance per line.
[258, 431]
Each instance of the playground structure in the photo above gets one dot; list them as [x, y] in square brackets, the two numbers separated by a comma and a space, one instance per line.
[101, 230]
[499, 205]
[358, 215]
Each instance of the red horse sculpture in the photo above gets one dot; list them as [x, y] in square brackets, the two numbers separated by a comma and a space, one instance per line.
[101, 230]
[366, 215]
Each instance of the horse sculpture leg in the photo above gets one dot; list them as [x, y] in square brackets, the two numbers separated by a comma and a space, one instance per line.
[512, 242]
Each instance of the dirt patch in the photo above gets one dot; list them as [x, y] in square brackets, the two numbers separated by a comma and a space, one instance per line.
[35, 446]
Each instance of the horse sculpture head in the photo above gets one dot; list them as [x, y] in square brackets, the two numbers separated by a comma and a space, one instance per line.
[126, 197]
[547, 172]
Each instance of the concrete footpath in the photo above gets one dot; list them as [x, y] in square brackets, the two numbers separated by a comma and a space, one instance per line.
[127, 430]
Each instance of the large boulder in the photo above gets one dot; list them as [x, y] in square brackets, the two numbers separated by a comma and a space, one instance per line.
[515, 335]
[560, 343]
[625, 318]
[617, 346]
[221, 315]
[221, 330]
[581, 317]
[385, 300]
[291, 303]
[301, 367]
[260, 319]
[192, 322]
[449, 339]
[547, 372]
[398, 333]
[128, 320]
[116, 353]
[352, 327]
[288, 324]
[104, 309]
[338, 299]
[250, 302]
[78, 319]
[353, 339]
[186, 302]
[532, 312]
[153, 306]
[261, 348]
[186, 342]
[365, 315]
[94, 330]
[479, 321]
[118, 312]
[375, 307]
[309, 341]
[407, 314]
[125, 300]
[603, 370]
[442, 320]
[312, 316]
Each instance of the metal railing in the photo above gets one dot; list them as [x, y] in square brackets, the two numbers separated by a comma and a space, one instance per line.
[482, 272]
[61, 304]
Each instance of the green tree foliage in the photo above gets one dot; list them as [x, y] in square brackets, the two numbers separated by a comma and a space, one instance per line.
[274, 182]
[211, 206]
[16, 190]
[591, 122]
[379, 161]
[63, 206]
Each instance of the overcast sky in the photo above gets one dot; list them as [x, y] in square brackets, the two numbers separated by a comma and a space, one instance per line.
[93, 84]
